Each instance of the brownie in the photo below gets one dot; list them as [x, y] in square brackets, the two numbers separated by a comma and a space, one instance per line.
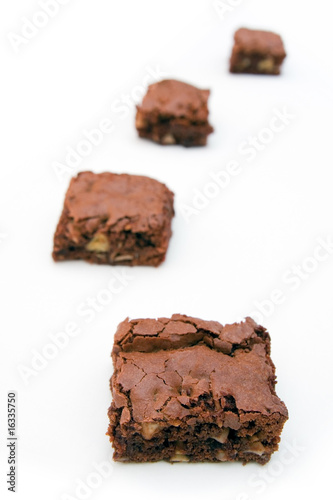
[114, 219]
[188, 390]
[257, 52]
[174, 112]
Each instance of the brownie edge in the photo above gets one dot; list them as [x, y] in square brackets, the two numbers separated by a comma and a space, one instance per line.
[189, 390]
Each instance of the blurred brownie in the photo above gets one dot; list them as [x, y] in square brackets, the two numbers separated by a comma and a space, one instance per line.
[174, 112]
[114, 219]
[257, 52]
[188, 390]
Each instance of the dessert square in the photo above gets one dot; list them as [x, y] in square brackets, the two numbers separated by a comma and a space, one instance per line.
[174, 112]
[257, 52]
[188, 390]
[115, 219]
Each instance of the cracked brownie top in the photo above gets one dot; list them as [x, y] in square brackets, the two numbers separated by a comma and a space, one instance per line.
[181, 367]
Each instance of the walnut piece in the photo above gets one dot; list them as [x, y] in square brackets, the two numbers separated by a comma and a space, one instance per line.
[179, 457]
[257, 448]
[149, 429]
[99, 243]
[222, 456]
[168, 139]
[266, 64]
[223, 436]
[120, 258]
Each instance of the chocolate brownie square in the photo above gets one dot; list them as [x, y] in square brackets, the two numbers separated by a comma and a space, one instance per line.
[174, 112]
[188, 390]
[257, 52]
[114, 219]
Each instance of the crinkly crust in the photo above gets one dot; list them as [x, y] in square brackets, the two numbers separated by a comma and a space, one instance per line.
[164, 367]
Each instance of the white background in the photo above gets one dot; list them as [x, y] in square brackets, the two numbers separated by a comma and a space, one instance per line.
[221, 264]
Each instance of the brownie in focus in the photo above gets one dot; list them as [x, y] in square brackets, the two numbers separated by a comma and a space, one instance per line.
[114, 219]
[188, 390]
[257, 52]
[174, 112]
